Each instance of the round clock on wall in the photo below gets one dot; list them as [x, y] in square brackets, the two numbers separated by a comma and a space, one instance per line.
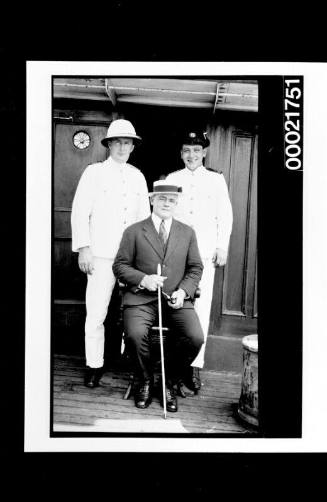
[81, 140]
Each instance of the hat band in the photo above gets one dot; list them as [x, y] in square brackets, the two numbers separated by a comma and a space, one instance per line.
[166, 188]
[122, 135]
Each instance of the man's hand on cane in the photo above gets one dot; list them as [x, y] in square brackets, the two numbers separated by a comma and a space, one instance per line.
[153, 282]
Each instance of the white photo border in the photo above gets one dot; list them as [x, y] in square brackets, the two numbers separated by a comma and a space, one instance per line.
[38, 259]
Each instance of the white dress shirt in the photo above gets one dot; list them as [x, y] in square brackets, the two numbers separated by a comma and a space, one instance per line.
[157, 221]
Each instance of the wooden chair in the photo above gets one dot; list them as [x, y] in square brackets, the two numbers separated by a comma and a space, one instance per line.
[154, 338]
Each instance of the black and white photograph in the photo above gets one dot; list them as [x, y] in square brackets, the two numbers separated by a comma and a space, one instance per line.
[168, 273]
[122, 146]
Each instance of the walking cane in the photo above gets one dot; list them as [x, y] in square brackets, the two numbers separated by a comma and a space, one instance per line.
[161, 346]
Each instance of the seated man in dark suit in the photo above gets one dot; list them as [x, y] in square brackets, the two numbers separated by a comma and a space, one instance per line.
[162, 240]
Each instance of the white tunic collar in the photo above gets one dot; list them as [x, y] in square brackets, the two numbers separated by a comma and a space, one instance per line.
[116, 165]
[197, 172]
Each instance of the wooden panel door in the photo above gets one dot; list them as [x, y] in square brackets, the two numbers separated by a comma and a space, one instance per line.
[234, 153]
[239, 277]
[68, 282]
[69, 164]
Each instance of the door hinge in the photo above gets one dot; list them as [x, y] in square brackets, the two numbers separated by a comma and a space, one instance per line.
[64, 117]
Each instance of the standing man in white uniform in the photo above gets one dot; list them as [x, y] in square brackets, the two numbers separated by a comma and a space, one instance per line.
[206, 207]
[110, 196]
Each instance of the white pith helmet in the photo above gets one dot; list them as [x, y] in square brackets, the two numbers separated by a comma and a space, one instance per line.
[120, 128]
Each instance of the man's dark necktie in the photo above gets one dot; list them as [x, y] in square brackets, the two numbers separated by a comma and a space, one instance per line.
[163, 234]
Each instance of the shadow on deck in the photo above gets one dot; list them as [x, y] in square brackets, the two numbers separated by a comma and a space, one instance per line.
[79, 409]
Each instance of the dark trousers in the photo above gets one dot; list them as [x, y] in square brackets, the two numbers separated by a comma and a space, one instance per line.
[183, 341]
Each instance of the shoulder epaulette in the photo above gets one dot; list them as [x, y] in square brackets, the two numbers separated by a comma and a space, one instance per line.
[94, 165]
[214, 170]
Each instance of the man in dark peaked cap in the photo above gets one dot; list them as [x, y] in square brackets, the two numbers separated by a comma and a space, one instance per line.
[206, 207]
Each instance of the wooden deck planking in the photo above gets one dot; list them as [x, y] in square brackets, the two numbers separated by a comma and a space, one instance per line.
[106, 411]
[77, 408]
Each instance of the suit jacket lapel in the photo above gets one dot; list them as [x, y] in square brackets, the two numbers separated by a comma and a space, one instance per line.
[174, 236]
[152, 237]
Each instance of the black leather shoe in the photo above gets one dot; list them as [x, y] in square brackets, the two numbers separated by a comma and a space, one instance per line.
[196, 381]
[183, 390]
[171, 400]
[143, 396]
[92, 377]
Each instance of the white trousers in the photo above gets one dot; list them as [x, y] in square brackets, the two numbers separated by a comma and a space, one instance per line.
[100, 285]
[203, 306]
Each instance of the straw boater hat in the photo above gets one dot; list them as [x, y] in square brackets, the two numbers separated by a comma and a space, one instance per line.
[164, 186]
[195, 138]
[120, 128]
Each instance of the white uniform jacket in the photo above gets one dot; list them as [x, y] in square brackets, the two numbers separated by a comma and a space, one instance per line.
[205, 206]
[110, 196]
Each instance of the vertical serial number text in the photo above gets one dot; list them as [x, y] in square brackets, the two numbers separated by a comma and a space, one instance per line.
[293, 122]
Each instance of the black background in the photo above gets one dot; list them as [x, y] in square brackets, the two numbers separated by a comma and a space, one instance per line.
[280, 298]
[280, 272]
